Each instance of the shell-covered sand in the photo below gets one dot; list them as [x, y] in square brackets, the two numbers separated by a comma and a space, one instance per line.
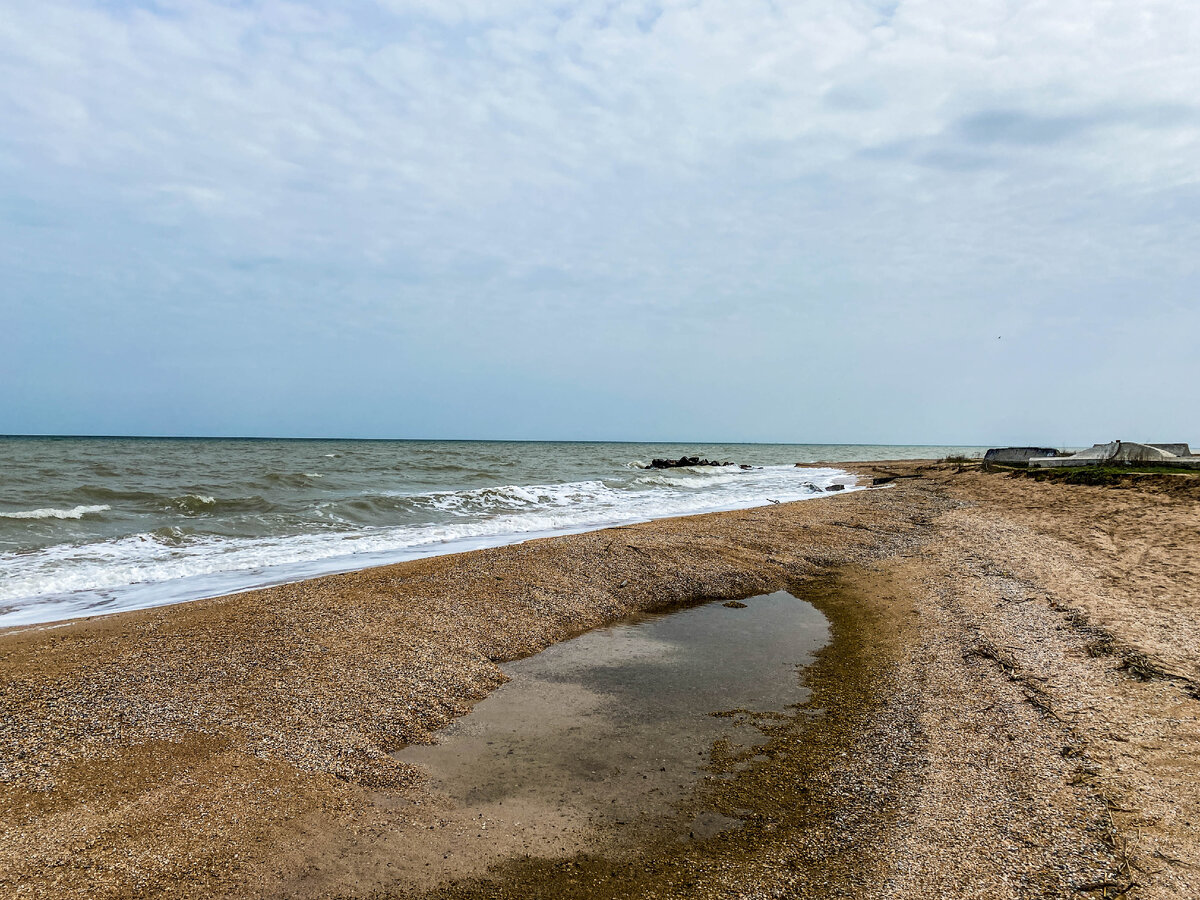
[1009, 708]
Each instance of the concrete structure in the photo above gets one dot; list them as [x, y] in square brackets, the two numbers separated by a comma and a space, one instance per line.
[1177, 449]
[1017, 454]
[1123, 453]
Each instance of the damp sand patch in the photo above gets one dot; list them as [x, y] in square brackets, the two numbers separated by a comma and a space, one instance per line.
[605, 739]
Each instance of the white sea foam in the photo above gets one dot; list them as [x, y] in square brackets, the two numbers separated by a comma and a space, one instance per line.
[519, 497]
[693, 479]
[77, 512]
[141, 570]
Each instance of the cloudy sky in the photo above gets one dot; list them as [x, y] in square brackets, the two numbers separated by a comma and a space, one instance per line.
[834, 220]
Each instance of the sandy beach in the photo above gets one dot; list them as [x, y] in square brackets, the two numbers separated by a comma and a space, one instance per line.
[1009, 707]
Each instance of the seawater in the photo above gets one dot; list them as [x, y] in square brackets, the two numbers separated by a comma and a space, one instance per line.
[97, 525]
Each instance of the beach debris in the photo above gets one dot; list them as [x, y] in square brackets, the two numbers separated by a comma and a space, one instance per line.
[885, 476]
[836, 487]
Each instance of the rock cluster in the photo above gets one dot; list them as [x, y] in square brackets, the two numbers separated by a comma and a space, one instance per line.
[686, 461]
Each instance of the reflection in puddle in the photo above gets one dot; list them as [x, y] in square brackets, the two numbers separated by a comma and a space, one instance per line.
[615, 727]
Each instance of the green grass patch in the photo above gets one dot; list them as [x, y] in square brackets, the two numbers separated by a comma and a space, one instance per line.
[1100, 475]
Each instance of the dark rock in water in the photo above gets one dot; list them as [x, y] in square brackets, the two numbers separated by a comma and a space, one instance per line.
[685, 461]
[734, 604]
[836, 487]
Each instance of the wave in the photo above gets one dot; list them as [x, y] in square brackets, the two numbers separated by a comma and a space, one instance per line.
[645, 492]
[191, 504]
[170, 564]
[428, 467]
[390, 508]
[171, 536]
[290, 479]
[77, 512]
[95, 492]
[203, 504]
[516, 497]
[98, 499]
[692, 479]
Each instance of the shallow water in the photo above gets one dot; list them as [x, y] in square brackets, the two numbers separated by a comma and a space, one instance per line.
[616, 728]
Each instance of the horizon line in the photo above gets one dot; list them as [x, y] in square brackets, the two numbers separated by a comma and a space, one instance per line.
[203, 437]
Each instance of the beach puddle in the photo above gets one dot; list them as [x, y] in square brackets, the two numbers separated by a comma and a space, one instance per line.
[612, 732]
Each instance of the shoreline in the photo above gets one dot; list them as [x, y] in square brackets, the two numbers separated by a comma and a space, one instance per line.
[188, 588]
[218, 747]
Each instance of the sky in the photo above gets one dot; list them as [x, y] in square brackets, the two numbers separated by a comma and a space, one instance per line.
[914, 221]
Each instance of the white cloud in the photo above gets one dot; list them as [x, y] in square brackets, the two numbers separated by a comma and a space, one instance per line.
[627, 158]
[505, 92]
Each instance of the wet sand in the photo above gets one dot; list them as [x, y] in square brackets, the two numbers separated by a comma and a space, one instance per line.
[1007, 708]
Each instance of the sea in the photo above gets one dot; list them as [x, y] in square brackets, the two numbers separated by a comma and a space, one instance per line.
[90, 526]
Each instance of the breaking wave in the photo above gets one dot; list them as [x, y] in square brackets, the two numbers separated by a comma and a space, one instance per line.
[77, 512]
[193, 503]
